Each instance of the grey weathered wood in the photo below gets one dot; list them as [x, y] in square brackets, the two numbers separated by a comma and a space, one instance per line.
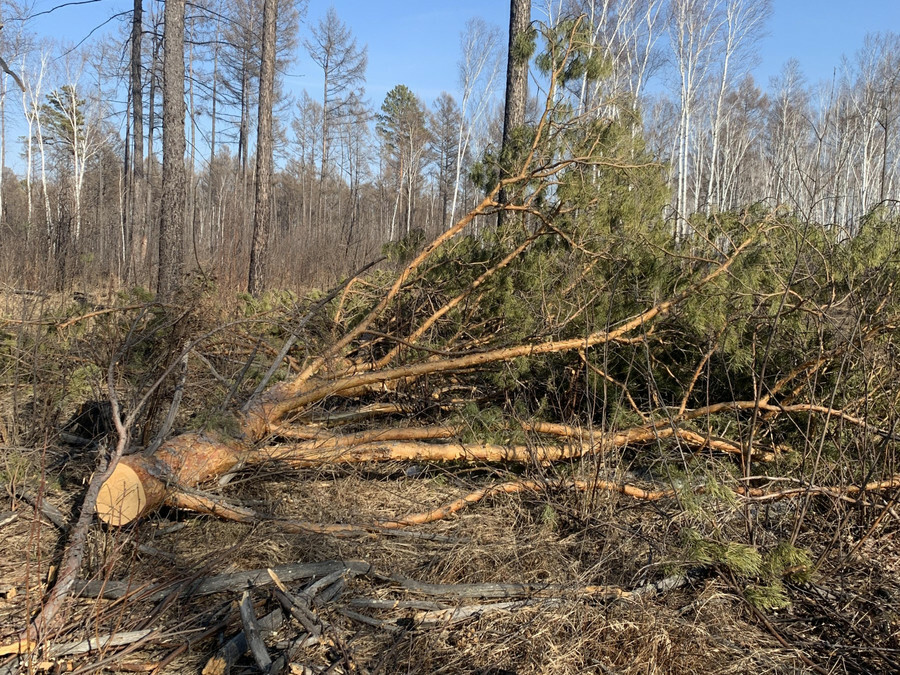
[507, 590]
[377, 603]
[251, 632]
[97, 643]
[50, 512]
[235, 581]
[299, 611]
[232, 650]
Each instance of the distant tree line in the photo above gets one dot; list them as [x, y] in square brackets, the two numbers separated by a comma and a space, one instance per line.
[97, 201]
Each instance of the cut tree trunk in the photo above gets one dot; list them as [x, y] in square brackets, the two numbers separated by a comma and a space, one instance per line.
[140, 483]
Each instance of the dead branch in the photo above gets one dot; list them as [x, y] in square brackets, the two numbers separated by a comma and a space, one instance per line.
[232, 650]
[100, 643]
[843, 493]
[534, 590]
[41, 505]
[235, 581]
[287, 398]
[101, 312]
[251, 632]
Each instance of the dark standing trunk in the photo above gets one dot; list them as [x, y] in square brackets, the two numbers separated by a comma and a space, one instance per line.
[516, 85]
[125, 218]
[150, 210]
[137, 97]
[136, 166]
[2, 140]
[171, 232]
[243, 132]
[263, 209]
[216, 236]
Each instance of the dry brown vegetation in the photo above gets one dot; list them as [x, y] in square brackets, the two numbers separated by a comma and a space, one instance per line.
[646, 554]
[568, 443]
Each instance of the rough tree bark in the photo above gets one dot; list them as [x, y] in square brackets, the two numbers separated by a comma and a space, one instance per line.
[262, 210]
[516, 85]
[171, 231]
[136, 167]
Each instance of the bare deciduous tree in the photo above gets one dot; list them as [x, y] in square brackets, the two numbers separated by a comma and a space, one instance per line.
[744, 22]
[693, 32]
[479, 68]
[333, 47]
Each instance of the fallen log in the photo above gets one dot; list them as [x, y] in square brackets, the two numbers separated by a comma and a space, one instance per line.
[141, 483]
[235, 581]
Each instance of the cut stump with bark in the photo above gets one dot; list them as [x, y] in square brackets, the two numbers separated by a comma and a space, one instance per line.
[141, 483]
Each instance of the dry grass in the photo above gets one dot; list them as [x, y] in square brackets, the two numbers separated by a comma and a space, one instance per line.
[551, 538]
[845, 620]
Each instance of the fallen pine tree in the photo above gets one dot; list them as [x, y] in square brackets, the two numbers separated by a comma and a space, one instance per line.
[717, 346]
[140, 483]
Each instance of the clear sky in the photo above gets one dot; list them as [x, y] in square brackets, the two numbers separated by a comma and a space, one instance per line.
[416, 42]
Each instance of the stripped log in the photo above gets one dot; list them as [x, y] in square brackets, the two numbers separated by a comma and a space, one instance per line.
[141, 483]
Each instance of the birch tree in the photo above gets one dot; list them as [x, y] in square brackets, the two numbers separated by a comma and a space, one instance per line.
[74, 127]
[479, 70]
[693, 33]
[743, 25]
[401, 125]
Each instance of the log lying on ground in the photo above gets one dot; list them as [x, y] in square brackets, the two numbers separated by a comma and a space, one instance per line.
[233, 581]
[142, 483]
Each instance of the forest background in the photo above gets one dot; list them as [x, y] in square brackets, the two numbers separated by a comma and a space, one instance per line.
[644, 301]
[346, 183]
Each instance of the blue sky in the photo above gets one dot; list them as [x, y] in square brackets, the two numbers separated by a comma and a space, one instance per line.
[416, 42]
